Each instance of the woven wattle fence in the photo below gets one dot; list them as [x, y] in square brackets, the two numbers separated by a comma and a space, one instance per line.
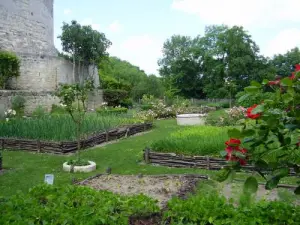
[71, 146]
[201, 162]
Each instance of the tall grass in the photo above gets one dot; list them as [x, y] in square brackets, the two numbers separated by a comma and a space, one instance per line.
[60, 127]
[201, 140]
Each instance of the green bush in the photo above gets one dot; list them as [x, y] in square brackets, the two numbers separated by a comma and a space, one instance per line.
[74, 205]
[18, 104]
[214, 209]
[146, 107]
[127, 103]
[9, 67]
[201, 140]
[111, 110]
[114, 97]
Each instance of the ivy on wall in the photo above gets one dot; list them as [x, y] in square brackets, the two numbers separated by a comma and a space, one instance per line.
[9, 67]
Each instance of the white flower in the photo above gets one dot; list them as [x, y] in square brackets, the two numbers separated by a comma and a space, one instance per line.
[14, 112]
[7, 119]
[104, 103]
[62, 105]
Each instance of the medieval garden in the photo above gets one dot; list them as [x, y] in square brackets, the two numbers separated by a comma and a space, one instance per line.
[88, 139]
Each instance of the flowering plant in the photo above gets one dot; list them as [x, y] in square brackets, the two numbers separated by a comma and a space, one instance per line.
[271, 133]
[10, 113]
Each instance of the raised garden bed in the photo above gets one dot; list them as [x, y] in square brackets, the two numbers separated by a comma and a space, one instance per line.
[201, 162]
[64, 147]
[160, 187]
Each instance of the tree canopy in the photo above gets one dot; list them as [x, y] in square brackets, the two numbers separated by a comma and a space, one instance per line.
[201, 66]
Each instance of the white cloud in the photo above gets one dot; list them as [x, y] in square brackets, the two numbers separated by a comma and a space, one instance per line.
[241, 12]
[89, 21]
[285, 40]
[67, 11]
[115, 26]
[142, 51]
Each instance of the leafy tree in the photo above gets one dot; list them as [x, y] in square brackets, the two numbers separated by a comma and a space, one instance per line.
[284, 63]
[121, 75]
[181, 65]
[85, 45]
[74, 98]
[200, 67]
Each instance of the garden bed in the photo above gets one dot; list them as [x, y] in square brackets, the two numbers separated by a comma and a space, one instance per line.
[64, 147]
[160, 187]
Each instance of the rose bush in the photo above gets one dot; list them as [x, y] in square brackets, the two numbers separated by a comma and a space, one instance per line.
[271, 133]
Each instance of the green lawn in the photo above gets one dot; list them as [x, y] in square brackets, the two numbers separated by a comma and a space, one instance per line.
[24, 169]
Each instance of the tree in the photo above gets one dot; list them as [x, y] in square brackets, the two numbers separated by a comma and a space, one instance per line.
[74, 97]
[284, 63]
[85, 45]
[181, 65]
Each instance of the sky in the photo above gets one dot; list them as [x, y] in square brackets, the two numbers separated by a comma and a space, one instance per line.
[138, 28]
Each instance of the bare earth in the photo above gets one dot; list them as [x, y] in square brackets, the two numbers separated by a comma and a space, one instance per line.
[161, 188]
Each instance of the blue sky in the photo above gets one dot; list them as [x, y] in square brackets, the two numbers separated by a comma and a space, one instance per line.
[138, 28]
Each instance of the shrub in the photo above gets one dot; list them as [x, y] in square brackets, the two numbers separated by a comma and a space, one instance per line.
[127, 103]
[9, 67]
[201, 140]
[114, 97]
[228, 117]
[18, 104]
[47, 204]
[111, 110]
[146, 107]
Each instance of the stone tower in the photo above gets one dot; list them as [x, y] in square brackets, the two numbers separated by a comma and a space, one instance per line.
[26, 28]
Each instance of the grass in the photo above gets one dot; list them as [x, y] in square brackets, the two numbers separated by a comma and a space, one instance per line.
[195, 140]
[60, 127]
[24, 170]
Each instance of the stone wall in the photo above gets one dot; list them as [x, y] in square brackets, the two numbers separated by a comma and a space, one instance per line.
[41, 98]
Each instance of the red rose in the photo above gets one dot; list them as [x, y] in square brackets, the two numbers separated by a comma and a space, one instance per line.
[292, 77]
[250, 114]
[297, 67]
[274, 82]
[233, 142]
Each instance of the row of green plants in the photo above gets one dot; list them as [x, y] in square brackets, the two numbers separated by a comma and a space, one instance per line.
[195, 140]
[78, 205]
[213, 209]
[60, 127]
[73, 205]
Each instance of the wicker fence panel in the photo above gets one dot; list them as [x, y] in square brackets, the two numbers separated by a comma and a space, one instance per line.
[71, 146]
[201, 162]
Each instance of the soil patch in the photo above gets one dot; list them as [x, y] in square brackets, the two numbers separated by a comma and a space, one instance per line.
[161, 187]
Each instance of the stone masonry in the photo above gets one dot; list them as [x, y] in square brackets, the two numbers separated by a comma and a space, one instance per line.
[26, 28]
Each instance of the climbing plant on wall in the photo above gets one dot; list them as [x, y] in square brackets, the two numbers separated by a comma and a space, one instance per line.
[9, 67]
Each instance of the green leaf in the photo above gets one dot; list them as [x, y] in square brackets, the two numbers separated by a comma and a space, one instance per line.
[243, 98]
[280, 173]
[265, 81]
[287, 98]
[258, 109]
[297, 190]
[250, 185]
[272, 183]
[261, 164]
[239, 155]
[248, 132]
[286, 82]
[210, 220]
[268, 101]
[255, 84]
[248, 139]
[234, 133]
[251, 89]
